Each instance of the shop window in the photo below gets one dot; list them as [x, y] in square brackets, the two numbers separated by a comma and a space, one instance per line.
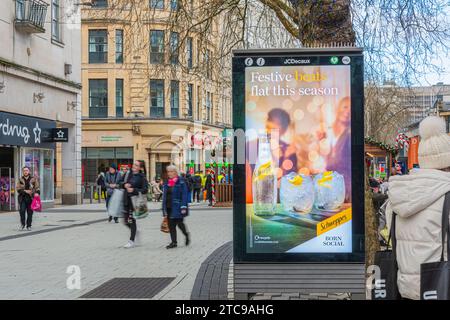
[157, 98]
[40, 162]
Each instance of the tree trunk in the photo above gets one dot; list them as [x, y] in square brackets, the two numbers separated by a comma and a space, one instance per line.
[328, 22]
[325, 22]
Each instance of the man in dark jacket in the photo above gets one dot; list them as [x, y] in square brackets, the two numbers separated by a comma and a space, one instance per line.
[197, 186]
[208, 187]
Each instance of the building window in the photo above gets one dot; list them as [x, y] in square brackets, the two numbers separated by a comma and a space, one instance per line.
[157, 98]
[174, 48]
[189, 52]
[199, 50]
[98, 98]
[98, 46]
[190, 95]
[56, 30]
[119, 98]
[174, 5]
[157, 4]
[207, 61]
[199, 101]
[156, 47]
[208, 107]
[448, 124]
[174, 99]
[99, 3]
[119, 46]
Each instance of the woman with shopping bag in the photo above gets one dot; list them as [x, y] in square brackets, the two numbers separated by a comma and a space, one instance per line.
[136, 187]
[175, 205]
[418, 202]
[112, 183]
[28, 188]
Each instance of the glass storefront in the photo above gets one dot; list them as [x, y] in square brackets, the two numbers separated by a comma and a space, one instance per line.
[95, 160]
[40, 162]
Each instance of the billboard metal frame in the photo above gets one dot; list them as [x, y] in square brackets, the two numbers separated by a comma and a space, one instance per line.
[293, 57]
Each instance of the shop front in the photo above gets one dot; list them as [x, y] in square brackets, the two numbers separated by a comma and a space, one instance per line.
[96, 160]
[23, 142]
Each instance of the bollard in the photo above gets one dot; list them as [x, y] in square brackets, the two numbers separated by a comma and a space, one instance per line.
[91, 188]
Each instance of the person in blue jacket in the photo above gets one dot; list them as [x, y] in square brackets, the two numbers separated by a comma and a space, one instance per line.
[175, 204]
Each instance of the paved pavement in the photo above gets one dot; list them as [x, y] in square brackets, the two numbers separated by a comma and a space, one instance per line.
[33, 264]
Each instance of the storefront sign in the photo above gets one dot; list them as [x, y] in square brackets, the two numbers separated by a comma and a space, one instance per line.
[299, 196]
[110, 138]
[18, 130]
[60, 135]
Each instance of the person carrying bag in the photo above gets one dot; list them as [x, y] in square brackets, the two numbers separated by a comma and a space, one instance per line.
[435, 276]
[417, 199]
[135, 199]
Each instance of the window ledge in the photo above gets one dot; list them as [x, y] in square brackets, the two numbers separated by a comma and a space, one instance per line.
[58, 43]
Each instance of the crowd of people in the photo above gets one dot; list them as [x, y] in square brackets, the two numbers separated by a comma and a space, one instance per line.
[175, 193]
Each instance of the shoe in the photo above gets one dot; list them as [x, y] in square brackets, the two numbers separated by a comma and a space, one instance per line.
[130, 244]
[109, 219]
[172, 245]
[116, 220]
[28, 228]
[22, 228]
[188, 239]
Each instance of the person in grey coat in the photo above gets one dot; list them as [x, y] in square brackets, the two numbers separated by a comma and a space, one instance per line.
[112, 182]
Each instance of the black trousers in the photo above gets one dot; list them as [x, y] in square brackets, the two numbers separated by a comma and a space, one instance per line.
[173, 223]
[26, 213]
[130, 222]
[196, 193]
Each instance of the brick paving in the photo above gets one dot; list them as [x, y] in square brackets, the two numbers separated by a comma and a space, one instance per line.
[211, 282]
[34, 266]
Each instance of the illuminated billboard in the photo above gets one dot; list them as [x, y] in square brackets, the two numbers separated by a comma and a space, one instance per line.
[299, 195]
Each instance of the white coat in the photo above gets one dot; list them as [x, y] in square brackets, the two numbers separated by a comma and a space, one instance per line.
[418, 200]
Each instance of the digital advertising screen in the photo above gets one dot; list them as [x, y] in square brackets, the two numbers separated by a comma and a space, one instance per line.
[303, 169]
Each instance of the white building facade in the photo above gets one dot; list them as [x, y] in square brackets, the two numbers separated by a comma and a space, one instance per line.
[40, 98]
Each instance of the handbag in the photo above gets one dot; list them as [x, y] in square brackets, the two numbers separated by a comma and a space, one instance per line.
[36, 204]
[165, 225]
[140, 209]
[435, 276]
[115, 204]
[385, 287]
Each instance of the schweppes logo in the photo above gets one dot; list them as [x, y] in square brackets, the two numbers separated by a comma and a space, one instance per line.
[334, 221]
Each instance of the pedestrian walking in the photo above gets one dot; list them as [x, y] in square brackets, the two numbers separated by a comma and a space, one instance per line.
[208, 188]
[175, 205]
[101, 185]
[417, 200]
[189, 184]
[27, 188]
[134, 182]
[197, 186]
[112, 182]
[156, 190]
